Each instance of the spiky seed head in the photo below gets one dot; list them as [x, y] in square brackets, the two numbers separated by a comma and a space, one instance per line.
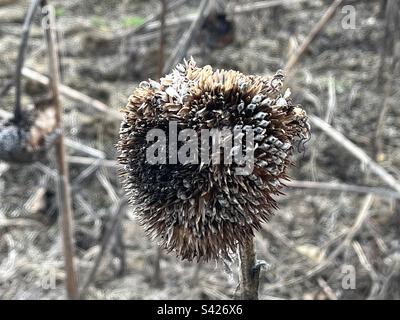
[202, 211]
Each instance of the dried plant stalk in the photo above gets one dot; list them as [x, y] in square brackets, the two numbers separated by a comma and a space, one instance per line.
[249, 272]
[327, 16]
[64, 193]
[21, 57]
[158, 277]
[184, 44]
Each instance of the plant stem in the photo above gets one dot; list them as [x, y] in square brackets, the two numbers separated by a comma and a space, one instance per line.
[318, 27]
[162, 37]
[21, 58]
[249, 273]
[184, 44]
[64, 193]
[158, 277]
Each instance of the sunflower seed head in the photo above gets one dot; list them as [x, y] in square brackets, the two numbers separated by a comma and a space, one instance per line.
[202, 211]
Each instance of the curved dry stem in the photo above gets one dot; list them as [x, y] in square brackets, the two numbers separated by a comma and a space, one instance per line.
[21, 58]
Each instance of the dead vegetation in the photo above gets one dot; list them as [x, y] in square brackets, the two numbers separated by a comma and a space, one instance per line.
[341, 214]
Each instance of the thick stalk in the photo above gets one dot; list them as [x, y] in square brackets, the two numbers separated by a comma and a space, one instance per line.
[64, 193]
[249, 272]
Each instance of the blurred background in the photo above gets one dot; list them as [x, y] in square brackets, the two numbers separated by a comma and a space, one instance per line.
[336, 234]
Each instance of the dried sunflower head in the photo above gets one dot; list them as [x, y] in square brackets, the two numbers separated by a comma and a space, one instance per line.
[201, 209]
[29, 139]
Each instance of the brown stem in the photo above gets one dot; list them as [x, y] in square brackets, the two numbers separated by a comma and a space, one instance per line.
[328, 15]
[158, 277]
[184, 44]
[162, 37]
[249, 272]
[21, 58]
[385, 72]
[64, 194]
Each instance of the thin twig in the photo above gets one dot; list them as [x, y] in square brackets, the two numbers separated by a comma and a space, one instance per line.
[331, 101]
[158, 278]
[327, 289]
[21, 58]
[84, 174]
[106, 184]
[262, 5]
[381, 122]
[162, 37]
[362, 257]
[64, 195]
[85, 149]
[89, 161]
[184, 44]
[385, 78]
[328, 15]
[6, 88]
[387, 39]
